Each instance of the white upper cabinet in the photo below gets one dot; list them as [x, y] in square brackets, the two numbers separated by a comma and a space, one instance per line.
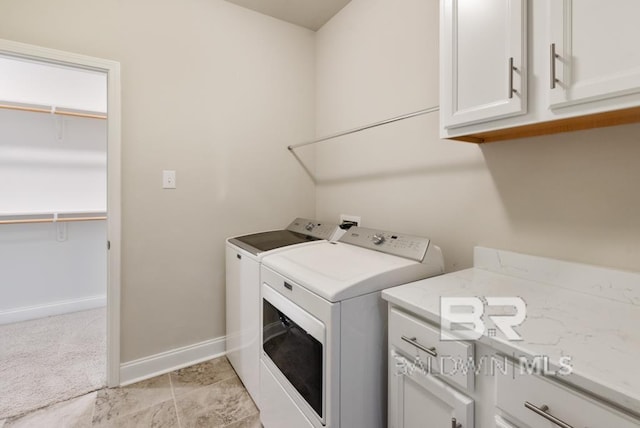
[593, 50]
[583, 70]
[483, 60]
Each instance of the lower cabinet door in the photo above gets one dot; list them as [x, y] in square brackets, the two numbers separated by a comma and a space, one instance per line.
[417, 399]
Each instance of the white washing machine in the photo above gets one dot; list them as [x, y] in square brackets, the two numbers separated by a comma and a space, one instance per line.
[243, 255]
[324, 327]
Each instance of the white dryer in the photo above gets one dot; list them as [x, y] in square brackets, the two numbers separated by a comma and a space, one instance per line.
[243, 255]
[324, 343]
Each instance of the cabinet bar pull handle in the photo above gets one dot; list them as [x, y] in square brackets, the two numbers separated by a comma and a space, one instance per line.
[511, 70]
[552, 72]
[455, 424]
[542, 411]
[412, 340]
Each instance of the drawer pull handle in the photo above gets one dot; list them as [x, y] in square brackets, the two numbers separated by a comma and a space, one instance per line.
[412, 340]
[455, 424]
[542, 411]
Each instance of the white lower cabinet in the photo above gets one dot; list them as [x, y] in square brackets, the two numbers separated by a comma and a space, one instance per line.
[418, 400]
[422, 395]
[411, 336]
[535, 402]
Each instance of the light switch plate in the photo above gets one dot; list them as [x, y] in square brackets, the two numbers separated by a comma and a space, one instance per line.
[168, 179]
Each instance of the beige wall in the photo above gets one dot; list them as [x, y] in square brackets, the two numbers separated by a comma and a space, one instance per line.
[571, 196]
[215, 92]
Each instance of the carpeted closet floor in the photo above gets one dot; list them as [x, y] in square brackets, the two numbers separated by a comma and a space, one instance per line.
[50, 360]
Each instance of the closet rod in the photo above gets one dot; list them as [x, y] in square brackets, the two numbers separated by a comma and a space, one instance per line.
[363, 128]
[51, 220]
[51, 110]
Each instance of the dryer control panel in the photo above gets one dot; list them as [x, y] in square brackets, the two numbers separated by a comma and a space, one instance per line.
[397, 244]
[313, 228]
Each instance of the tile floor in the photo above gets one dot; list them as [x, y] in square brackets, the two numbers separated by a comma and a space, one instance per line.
[209, 394]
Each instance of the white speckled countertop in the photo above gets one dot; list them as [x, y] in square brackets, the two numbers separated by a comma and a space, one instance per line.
[589, 313]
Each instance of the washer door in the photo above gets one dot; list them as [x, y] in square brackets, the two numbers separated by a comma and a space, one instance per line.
[294, 341]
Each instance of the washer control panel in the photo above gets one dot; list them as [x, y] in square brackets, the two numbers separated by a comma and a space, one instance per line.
[407, 246]
[313, 228]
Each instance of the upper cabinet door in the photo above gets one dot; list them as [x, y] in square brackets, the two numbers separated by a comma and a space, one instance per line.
[593, 52]
[483, 57]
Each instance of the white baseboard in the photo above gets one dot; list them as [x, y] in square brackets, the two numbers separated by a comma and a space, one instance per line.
[54, 308]
[165, 362]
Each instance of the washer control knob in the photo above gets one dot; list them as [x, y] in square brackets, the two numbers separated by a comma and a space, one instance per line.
[378, 239]
[309, 226]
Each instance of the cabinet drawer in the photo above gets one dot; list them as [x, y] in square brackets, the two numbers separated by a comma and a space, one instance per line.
[517, 394]
[445, 358]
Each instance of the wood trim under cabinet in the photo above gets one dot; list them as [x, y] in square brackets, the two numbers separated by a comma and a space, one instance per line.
[598, 120]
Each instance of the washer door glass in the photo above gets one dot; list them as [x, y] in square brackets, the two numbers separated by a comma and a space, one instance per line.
[296, 353]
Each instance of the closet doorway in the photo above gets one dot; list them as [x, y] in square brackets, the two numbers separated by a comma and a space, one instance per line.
[59, 226]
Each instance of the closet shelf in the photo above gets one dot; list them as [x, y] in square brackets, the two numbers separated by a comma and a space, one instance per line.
[52, 217]
[52, 110]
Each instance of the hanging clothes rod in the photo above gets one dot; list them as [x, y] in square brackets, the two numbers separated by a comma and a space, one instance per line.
[54, 219]
[372, 125]
[53, 110]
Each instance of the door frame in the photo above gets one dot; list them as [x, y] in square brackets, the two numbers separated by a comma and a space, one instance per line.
[114, 215]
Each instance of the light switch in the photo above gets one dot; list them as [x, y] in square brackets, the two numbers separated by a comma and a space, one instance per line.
[168, 179]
